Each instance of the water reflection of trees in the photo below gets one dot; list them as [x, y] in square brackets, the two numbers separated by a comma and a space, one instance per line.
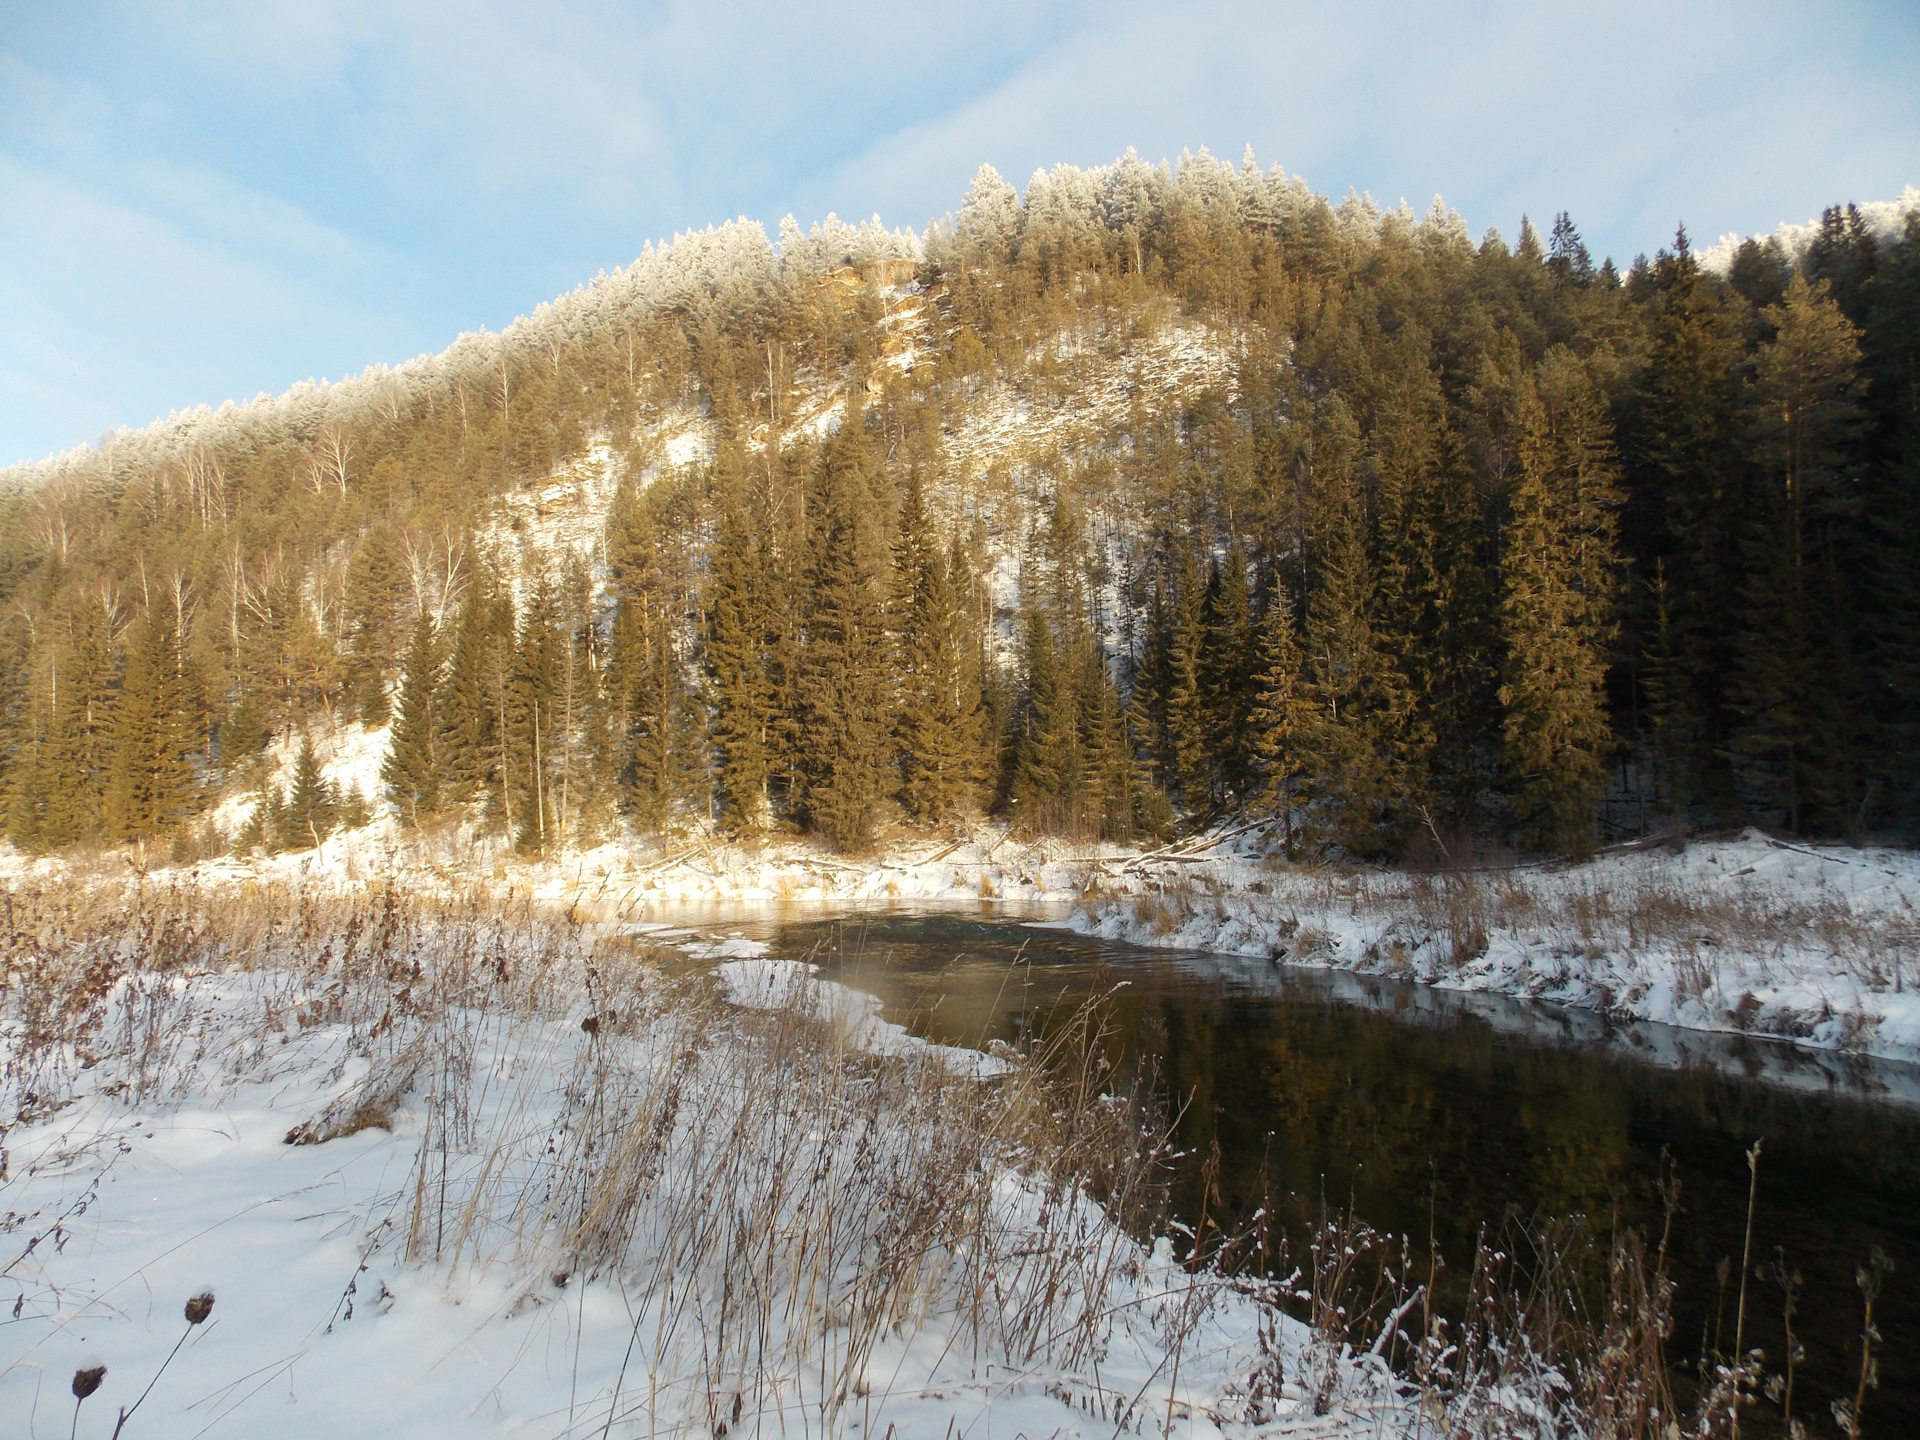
[1438, 1132]
[1436, 1113]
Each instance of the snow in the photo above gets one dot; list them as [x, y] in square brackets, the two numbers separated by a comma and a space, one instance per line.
[350, 756]
[761, 984]
[1013, 419]
[1883, 218]
[119, 1210]
[1819, 945]
[1743, 934]
[135, 1187]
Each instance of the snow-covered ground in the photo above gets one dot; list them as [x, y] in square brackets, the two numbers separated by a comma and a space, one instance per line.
[575, 1163]
[1816, 944]
[1820, 945]
[537, 1193]
[1742, 933]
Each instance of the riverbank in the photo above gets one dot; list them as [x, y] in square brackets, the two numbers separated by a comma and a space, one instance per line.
[451, 1159]
[1818, 945]
[1737, 934]
[440, 1168]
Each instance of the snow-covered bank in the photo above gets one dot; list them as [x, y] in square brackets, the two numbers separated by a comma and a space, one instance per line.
[1819, 945]
[504, 1175]
[1744, 934]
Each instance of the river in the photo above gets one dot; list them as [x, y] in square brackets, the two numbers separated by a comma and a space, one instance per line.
[1435, 1112]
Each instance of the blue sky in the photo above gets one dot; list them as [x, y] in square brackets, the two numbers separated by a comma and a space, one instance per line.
[202, 201]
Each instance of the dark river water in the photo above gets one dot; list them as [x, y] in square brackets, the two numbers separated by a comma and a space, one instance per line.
[1437, 1112]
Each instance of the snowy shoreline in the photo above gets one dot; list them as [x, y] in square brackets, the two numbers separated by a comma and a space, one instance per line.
[1734, 935]
[1742, 934]
[479, 1179]
[525, 1143]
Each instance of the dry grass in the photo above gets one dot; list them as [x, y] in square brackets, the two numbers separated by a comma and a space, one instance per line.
[772, 1203]
[1441, 919]
[779, 1210]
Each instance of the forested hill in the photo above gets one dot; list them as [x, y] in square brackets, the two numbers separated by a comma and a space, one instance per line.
[1143, 501]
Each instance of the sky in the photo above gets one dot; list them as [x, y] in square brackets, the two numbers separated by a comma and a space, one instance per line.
[203, 201]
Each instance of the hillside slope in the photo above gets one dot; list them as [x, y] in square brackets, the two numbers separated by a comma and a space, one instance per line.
[1145, 499]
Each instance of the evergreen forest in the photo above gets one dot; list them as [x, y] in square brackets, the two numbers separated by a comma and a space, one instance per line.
[1152, 499]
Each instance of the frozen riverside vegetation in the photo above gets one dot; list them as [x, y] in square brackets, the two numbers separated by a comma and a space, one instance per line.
[453, 1163]
[1817, 945]
[445, 1169]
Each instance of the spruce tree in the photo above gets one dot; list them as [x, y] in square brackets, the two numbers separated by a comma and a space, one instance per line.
[409, 771]
[311, 806]
[80, 755]
[154, 779]
[1674, 726]
[468, 726]
[533, 706]
[1556, 608]
[1691, 483]
[1152, 673]
[845, 690]
[1120, 804]
[1278, 726]
[1187, 759]
[666, 742]
[741, 625]
[1231, 660]
[376, 585]
[1047, 759]
[1793, 683]
[1362, 749]
[941, 723]
[465, 714]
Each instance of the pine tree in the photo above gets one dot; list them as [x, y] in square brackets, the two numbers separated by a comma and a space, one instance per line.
[741, 631]
[667, 733]
[1047, 758]
[1793, 684]
[1674, 725]
[1186, 759]
[649, 673]
[1121, 802]
[468, 726]
[1430, 607]
[1231, 659]
[311, 808]
[533, 703]
[1690, 444]
[409, 772]
[31, 738]
[1556, 608]
[588, 783]
[80, 755]
[1362, 749]
[376, 586]
[940, 730]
